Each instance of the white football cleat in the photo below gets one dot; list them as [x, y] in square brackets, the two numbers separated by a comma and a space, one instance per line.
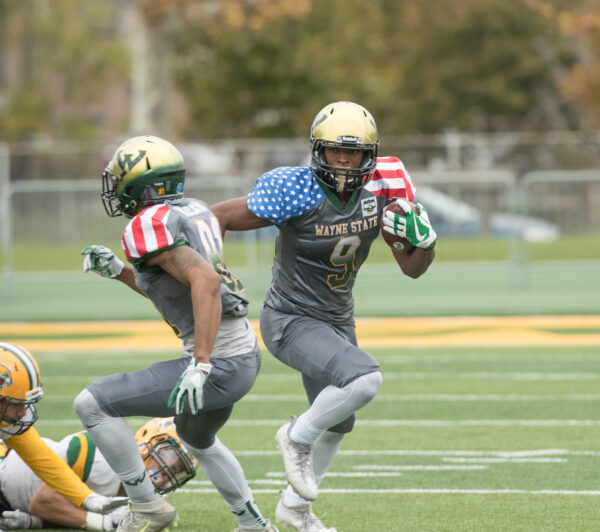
[302, 518]
[298, 463]
[138, 518]
[267, 528]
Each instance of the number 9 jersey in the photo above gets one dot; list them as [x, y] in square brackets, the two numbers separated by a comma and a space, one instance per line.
[187, 222]
[322, 242]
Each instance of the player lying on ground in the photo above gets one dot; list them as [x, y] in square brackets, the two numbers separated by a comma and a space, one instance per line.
[20, 390]
[34, 504]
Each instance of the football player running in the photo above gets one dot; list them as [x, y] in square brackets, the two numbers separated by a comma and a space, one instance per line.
[20, 390]
[34, 504]
[328, 214]
[175, 247]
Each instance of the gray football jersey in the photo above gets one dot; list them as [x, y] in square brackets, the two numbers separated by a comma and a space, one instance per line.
[322, 243]
[188, 222]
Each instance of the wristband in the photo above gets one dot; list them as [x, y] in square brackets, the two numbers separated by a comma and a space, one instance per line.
[94, 521]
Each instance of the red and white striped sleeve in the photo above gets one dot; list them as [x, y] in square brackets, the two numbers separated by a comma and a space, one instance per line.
[391, 180]
[147, 233]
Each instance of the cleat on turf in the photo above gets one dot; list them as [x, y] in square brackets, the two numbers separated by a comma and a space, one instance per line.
[298, 463]
[135, 520]
[302, 518]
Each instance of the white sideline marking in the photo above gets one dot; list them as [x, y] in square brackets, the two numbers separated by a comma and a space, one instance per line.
[409, 491]
[358, 474]
[258, 398]
[386, 422]
[508, 460]
[419, 468]
[400, 375]
[481, 357]
[486, 375]
[394, 398]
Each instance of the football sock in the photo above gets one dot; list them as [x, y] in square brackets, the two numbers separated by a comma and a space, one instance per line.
[116, 442]
[333, 405]
[227, 475]
[325, 451]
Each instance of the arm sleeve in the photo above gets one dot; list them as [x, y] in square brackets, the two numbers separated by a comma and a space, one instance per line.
[47, 465]
[283, 193]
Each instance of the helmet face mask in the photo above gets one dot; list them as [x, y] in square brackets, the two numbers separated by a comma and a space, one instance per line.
[343, 125]
[168, 463]
[143, 171]
[20, 386]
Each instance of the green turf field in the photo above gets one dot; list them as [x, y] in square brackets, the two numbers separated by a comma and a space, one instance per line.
[469, 439]
[465, 435]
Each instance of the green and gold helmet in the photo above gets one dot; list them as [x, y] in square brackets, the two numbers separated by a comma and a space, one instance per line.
[343, 125]
[143, 171]
[20, 384]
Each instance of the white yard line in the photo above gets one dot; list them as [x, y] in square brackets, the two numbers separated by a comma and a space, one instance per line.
[386, 422]
[414, 491]
[394, 398]
[507, 460]
[401, 375]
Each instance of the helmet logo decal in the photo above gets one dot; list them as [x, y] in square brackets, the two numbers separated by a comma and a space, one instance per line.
[6, 378]
[127, 162]
[319, 120]
[348, 139]
[179, 188]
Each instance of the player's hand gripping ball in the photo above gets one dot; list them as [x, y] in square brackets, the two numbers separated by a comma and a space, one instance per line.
[405, 225]
[392, 239]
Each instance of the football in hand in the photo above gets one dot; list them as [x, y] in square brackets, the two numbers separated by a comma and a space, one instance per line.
[396, 242]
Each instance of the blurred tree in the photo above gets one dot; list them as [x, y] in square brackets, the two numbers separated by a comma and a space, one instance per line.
[60, 63]
[264, 68]
[578, 25]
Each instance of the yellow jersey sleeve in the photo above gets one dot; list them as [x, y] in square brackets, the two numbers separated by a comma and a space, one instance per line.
[50, 467]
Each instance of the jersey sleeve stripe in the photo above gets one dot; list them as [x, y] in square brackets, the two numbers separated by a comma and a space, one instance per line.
[80, 454]
[391, 180]
[147, 232]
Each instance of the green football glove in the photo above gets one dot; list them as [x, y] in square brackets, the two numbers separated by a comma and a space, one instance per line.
[190, 384]
[416, 228]
[102, 260]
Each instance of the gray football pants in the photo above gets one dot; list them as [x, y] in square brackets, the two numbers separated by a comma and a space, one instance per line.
[324, 353]
[146, 393]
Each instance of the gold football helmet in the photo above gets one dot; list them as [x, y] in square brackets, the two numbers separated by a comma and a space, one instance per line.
[20, 384]
[343, 125]
[143, 171]
[169, 464]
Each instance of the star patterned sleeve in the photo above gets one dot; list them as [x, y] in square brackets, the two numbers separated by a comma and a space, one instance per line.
[148, 233]
[284, 193]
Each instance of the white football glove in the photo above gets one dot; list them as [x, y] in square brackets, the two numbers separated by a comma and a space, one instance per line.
[18, 520]
[109, 521]
[191, 383]
[101, 504]
[102, 260]
[416, 228]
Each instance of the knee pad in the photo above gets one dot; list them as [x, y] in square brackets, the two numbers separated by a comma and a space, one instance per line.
[365, 387]
[87, 408]
[369, 384]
